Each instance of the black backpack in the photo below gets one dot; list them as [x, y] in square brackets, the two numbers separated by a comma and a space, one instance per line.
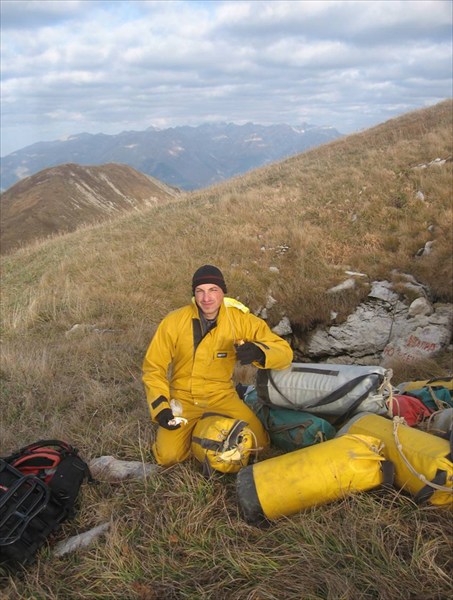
[39, 487]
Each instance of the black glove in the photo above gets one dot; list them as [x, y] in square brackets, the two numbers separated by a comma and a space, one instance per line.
[249, 352]
[164, 417]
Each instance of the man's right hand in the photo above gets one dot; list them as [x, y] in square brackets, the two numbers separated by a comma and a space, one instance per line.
[164, 417]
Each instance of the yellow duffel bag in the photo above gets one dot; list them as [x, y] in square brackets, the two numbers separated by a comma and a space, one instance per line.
[446, 382]
[423, 464]
[222, 443]
[289, 483]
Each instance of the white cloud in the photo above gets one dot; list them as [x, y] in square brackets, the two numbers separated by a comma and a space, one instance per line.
[107, 66]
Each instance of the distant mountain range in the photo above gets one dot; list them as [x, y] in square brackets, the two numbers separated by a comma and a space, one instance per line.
[185, 157]
[63, 198]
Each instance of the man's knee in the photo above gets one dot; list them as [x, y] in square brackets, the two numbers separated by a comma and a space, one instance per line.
[167, 457]
[168, 452]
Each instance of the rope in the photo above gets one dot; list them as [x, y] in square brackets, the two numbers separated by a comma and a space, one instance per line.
[397, 421]
[376, 449]
[440, 405]
[430, 428]
[387, 386]
[386, 389]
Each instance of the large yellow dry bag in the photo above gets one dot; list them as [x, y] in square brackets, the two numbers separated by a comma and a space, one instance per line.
[422, 461]
[289, 483]
[222, 443]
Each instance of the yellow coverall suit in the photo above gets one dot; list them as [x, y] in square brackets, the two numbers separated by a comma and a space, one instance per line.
[197, 371]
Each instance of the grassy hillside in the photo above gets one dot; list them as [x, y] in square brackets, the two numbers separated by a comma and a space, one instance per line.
[367, 202]
[66, 197]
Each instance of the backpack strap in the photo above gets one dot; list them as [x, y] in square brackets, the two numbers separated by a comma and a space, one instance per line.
[207, 444]
[232, 437]
[23, 497]
[64, 447]
[440, 479]
[388, 472]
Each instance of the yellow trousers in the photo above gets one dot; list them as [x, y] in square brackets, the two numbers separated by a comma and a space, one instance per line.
[173, 446]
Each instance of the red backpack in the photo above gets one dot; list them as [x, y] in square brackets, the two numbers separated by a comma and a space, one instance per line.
[410, 408]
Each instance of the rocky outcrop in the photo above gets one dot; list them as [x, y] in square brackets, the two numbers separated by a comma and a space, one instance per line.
[385, 327]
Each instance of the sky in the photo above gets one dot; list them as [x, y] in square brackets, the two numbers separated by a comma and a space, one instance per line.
[73, 66]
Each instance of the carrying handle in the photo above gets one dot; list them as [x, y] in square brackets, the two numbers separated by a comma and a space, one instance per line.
[434, 484]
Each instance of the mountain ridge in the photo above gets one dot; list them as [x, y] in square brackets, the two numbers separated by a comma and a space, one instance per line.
[186, 157]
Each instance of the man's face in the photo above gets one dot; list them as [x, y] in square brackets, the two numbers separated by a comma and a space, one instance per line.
[209, 297]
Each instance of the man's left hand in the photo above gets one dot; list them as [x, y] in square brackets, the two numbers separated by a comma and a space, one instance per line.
[249, 352]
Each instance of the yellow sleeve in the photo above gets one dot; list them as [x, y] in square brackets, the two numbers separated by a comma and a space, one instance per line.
[277, 351]
[155, 369]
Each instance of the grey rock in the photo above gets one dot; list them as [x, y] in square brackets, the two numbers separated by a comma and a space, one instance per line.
[420, 306]
[80, 541]
[348, 284]
[426, 250]
[420, 195]
[382, 290]
[283, 328]
[270, 302]
[427, 337]
[384, 328]
[366, 331]
[109, 468]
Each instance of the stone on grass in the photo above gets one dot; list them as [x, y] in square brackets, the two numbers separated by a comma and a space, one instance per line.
[109, 468]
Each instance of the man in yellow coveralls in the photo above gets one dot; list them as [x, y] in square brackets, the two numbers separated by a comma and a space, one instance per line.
[191, 360]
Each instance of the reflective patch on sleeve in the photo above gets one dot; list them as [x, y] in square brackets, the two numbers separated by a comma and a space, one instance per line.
[158, 401]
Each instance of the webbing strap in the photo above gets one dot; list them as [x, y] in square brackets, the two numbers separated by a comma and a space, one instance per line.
[207, 470]
[206, 443]
[388, 472]
[333, 372]
[427, 491]
[232, 437]
[230, 440]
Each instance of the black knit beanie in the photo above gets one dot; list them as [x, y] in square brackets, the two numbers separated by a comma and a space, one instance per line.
[208, 274]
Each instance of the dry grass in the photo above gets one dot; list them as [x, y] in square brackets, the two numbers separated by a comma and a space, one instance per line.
[180, 536]
[352, 204]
